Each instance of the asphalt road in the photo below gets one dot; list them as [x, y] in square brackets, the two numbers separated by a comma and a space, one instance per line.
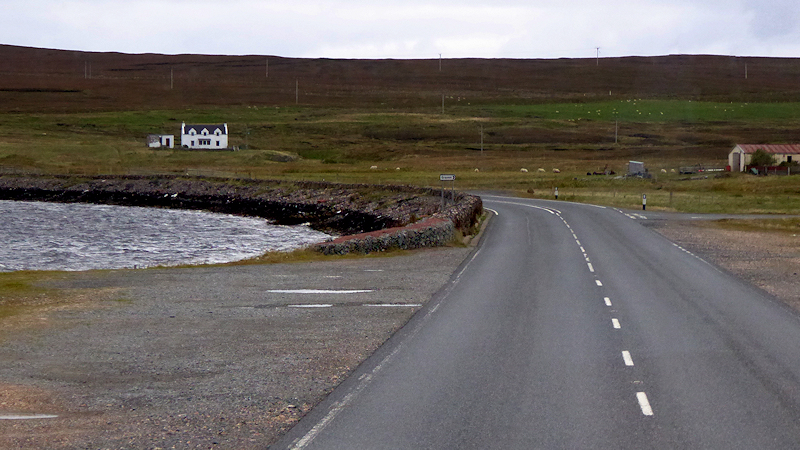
[574, 326]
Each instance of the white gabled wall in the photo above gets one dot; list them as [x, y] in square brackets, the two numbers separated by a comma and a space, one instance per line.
[744, 159]
[204, 138]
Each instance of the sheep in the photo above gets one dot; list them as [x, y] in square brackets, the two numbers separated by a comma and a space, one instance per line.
[373, 167]
[523, 170]
[540, 170]
[556, 171]
[477, 170]
[663, 170]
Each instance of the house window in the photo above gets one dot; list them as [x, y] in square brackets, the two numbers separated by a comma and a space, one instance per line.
[204, 141]
[217, 143]
[789, 159]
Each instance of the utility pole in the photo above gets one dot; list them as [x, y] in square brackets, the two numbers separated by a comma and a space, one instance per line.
[296, 91]
[598, 55]
[440, 62]
[267, 67]
[481, 139]
[171, 78]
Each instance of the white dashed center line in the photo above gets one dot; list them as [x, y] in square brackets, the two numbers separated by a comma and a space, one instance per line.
[607, 300]
[626, 356]
[599, 283]
[615, 322]
[644, 404]
[591, 269]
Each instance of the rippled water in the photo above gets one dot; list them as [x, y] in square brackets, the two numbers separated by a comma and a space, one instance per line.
[55, 236]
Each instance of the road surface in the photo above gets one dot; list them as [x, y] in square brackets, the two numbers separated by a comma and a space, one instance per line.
[573, 326]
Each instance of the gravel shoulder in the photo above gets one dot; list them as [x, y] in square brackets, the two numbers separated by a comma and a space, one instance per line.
[769, 260]
[207, 357]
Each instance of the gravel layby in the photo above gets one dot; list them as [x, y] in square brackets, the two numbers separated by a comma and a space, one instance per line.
[210, 357]
[768, 260]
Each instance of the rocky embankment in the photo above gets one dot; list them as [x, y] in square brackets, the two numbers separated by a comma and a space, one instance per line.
[368, 218]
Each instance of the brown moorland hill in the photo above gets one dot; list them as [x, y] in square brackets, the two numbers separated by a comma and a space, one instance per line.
[33, 79]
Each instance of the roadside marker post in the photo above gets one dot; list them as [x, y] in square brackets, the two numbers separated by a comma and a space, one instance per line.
[644, 202]
[556, 193]
[444, 178]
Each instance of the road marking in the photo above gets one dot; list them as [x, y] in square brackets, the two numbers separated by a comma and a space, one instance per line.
[395, 305]
[583, 250]
[591, 269]
[626, 356]
[579, 242]
[491, 210]
[644, 404]
[615, 322]
[598, 282]
[318, 305]
[318, 291]
[607, 300]
[26, 416]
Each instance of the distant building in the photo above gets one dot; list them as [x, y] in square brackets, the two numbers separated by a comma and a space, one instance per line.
[161, 140]
[636, 168]
[207, 137]
[739, 157]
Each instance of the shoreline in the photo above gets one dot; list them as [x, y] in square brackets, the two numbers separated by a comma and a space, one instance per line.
[345, 209]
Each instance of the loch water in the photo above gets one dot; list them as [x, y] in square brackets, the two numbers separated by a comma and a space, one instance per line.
[75, 236]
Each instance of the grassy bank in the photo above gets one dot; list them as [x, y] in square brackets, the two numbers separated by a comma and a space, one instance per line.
[386, 146]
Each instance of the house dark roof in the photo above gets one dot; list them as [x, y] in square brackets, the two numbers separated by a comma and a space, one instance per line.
[781, 149]
[198, 129]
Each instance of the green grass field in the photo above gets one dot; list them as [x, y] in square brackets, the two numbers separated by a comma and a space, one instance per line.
[414, 146]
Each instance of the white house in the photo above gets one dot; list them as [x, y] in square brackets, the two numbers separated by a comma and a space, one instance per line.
[739, 157]
[161, 140]
[211, 137]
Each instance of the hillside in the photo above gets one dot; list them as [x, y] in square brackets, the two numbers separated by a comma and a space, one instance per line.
[34, 79]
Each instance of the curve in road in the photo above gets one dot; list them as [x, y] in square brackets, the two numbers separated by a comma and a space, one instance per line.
[573, 326]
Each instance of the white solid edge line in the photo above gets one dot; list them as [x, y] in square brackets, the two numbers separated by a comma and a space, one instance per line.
[607, 300]
[615, 323]
[644, 404]
[395, 305]
[324, 305]
[26, 416]
[493, 211]
[626, 356]
[591, 269]
[319, 291]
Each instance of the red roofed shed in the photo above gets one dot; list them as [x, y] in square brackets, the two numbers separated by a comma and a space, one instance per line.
[739, 157]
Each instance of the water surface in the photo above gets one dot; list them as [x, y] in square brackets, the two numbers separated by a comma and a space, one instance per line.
[76, 236]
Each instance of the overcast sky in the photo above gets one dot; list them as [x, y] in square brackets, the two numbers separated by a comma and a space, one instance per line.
[408, 28]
